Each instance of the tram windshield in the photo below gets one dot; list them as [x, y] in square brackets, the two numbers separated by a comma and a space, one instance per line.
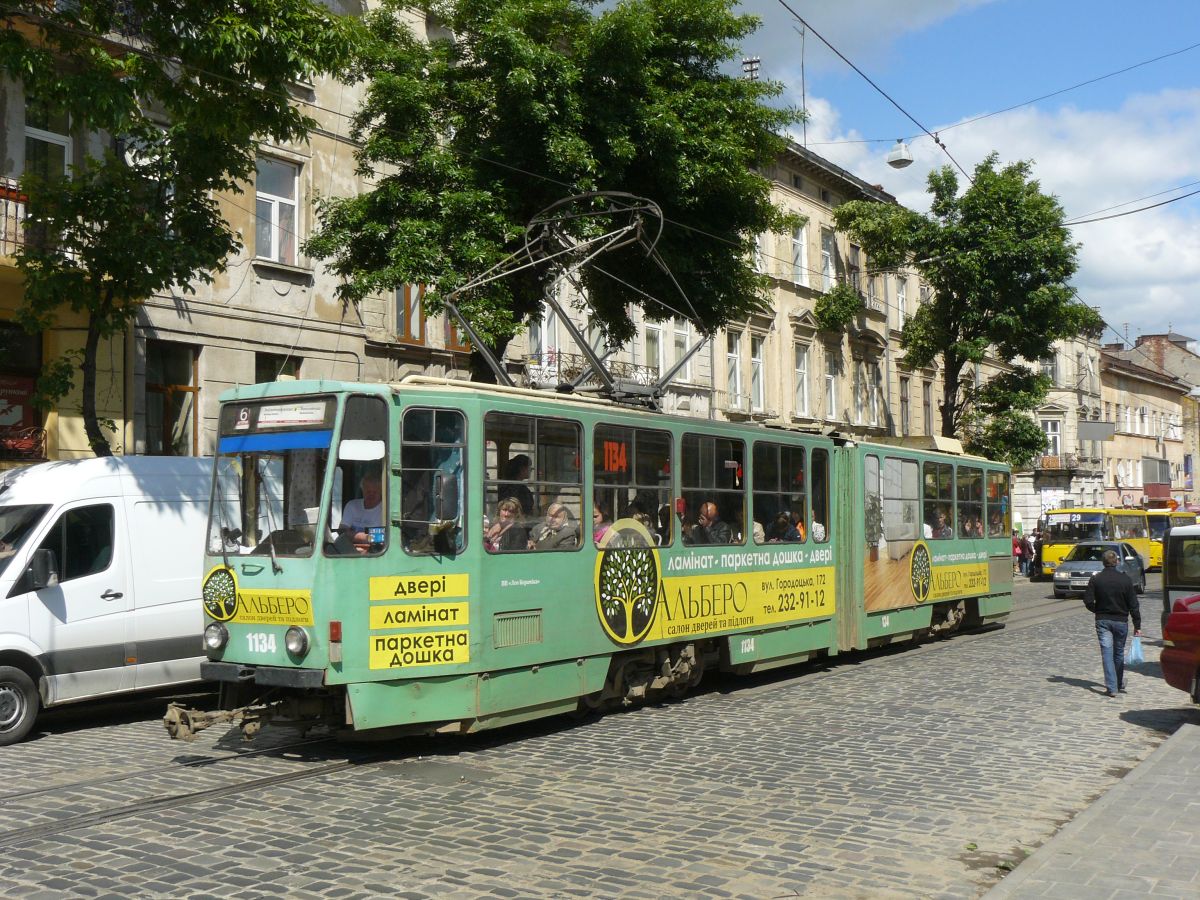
[1070, 528]
[272, 458]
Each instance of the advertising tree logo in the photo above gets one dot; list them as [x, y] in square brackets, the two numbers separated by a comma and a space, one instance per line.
[220, 594]
[920, 572]
[627, 581]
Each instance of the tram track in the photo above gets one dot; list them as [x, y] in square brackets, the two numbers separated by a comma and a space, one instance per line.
[175, 801]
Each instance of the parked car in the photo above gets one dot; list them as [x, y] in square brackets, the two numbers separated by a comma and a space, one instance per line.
[100, 575]
[1180, 659]
[1086, 558]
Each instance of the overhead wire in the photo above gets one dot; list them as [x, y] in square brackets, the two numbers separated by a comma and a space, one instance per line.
[881, 91]
[1034, 100]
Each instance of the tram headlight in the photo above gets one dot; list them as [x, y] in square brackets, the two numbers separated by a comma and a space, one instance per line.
[296, 641]
[216, 636]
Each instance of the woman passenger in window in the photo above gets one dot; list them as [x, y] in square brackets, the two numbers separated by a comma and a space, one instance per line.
[600, 522]
[782, 529]
[506, 534]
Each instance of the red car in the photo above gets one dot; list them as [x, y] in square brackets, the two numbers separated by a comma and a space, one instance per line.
[1181, 661]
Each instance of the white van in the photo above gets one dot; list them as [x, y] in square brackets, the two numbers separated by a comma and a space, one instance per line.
[100, 565]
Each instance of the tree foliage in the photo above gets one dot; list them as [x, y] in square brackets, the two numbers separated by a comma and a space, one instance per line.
[179, 95]
[996, 421]
[997, 258]
[533, 101]
[837, 307]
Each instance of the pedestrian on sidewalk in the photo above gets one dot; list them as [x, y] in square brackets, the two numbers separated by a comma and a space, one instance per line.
[1111, 597]
[1026, 556]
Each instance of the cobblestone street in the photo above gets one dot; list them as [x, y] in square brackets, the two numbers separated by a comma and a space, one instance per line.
[923, 772]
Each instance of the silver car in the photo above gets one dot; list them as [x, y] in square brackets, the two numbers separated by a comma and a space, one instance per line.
[1085, 559]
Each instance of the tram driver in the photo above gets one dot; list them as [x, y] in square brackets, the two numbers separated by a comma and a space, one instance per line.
[362, 517]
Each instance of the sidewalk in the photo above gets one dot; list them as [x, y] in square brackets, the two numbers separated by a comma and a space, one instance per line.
[1141, 839]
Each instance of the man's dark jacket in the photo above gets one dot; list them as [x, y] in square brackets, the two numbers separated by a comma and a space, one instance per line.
[1110, 595]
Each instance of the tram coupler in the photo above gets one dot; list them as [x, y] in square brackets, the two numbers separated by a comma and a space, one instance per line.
[184, 724]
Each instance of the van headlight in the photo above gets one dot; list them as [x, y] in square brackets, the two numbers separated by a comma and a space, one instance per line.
[216, 636]
[296, 641]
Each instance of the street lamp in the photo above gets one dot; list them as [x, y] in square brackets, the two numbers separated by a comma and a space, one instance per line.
[900, 156]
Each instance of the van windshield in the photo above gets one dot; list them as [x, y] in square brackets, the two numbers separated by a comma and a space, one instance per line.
[16, 524]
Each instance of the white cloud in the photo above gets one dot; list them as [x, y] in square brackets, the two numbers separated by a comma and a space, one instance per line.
[1140, 269]
[841, 23]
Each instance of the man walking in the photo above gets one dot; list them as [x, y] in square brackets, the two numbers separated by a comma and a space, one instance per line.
[1110, 595]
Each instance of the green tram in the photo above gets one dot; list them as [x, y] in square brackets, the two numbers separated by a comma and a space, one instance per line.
[442, 556]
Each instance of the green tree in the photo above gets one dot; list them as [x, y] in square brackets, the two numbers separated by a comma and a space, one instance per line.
[531, 101]
[177, 95]
[997, 258]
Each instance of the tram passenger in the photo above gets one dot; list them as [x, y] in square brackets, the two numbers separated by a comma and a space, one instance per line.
[558, 531]
[600, 521]
[995, 524]
[782, 530]
[506, 534]
[516, 471]
[710, 528]
[940, 526]
[361, 515]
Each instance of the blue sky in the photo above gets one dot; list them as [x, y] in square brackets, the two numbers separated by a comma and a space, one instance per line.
[946, 61]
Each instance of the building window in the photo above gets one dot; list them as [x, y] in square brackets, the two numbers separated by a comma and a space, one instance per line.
[410, 314]
[275, 367]
[901, 302]
[683, 344]
[276, 226]
[757, 398]
[1052, 428]
[873, 392]
[654, 358]
[905, 405]
[47, 140]
[760, 257]
[1050, 369]
[800, 256]
[733, 368]
[860, 390]
[797, 182]
[171, 399]
[543, 338]
[831, 373]
[801, 380]
[456, 340]
[854, 267]
[826, 196]
[927, 404]
[828, 258]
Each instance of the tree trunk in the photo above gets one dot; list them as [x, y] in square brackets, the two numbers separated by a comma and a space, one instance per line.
[96, 439]
[949, 406]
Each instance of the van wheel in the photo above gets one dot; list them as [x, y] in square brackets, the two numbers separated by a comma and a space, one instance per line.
[1141, 588]
[18, 705]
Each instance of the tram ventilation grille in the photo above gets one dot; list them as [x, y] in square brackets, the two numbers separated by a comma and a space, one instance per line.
[511, 629]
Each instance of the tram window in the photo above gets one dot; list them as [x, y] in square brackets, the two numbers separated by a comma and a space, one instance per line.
[998, 505]
[533, 488]
[712, 483]
[901, 499]
[970, 502]
[780, 493]
[631, 470]
[359, 526]
[939, 501]
[819, 485]
[432, 483]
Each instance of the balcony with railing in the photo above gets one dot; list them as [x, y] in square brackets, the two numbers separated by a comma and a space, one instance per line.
[12, 217]
[554, 367]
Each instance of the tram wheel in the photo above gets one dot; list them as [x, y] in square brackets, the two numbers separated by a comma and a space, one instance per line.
[18, 705]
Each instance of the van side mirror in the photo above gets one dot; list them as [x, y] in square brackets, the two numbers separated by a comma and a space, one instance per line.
[43, 569]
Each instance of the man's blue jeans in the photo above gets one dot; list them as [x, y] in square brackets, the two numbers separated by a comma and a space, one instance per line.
[1112, 635]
